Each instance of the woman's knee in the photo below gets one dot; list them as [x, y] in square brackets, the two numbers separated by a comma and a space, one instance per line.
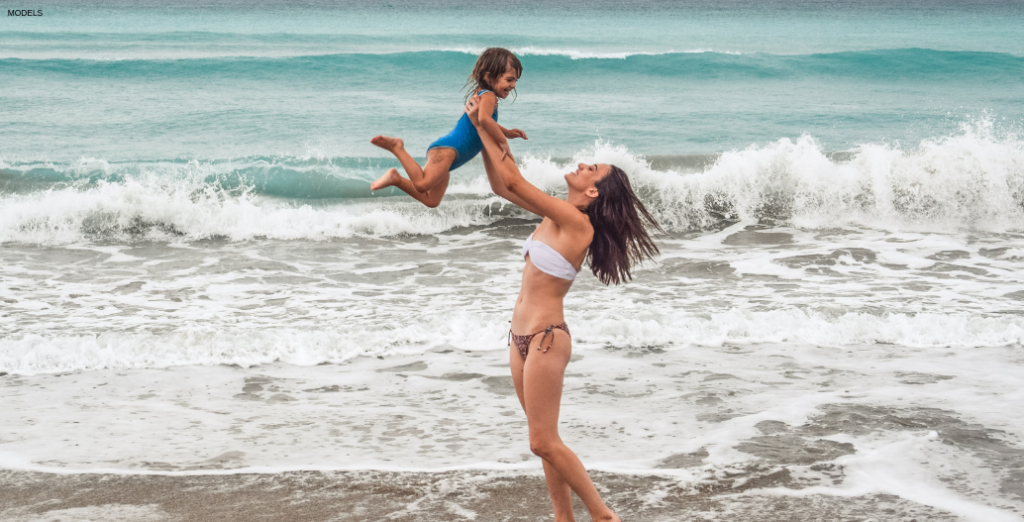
[544, 447]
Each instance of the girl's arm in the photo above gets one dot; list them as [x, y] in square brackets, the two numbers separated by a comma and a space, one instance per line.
[535, 199]
[513, 133]
[486, 124]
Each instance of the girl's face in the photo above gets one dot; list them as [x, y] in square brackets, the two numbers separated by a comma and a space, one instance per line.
[505, 83]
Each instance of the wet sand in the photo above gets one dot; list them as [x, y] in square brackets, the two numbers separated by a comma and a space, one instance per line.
[372, 496]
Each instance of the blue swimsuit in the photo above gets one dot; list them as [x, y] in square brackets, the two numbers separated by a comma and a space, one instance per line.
[463, 139]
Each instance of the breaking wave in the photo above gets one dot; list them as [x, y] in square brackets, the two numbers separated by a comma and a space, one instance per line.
[970, 181]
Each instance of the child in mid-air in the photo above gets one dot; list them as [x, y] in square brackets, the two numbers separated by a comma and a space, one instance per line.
[494, 76]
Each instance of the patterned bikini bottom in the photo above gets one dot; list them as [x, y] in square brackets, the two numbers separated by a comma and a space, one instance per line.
[522, 342]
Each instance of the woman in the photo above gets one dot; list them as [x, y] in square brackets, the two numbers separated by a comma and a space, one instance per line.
[602, 222]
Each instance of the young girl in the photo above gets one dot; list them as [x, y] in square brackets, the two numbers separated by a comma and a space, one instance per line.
[494, 76]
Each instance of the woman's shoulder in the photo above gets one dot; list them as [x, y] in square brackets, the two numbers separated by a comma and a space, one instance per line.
[577, 229]
[571, 242]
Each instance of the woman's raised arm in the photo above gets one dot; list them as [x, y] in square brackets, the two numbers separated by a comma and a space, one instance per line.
[535, 199]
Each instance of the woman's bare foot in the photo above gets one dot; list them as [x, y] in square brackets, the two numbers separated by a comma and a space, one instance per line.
[390, 178]
[388, 143]
[608, 518]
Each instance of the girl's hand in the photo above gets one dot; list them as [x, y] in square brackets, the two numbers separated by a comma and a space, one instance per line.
[516, 133]
[473, 108]
[505, 151]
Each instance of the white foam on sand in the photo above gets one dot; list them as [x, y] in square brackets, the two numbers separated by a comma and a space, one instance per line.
[103, 512]
[623, 411]
[904, 466]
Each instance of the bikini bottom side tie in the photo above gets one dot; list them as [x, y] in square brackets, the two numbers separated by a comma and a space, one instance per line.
[522, 342]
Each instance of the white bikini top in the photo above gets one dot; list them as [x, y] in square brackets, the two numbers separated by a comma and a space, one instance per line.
[548, 260]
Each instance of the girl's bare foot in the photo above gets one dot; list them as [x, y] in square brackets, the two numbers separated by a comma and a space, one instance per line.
[390, 178]
[388, 143]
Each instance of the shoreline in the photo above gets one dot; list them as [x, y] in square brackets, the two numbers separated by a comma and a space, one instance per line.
[368, 496]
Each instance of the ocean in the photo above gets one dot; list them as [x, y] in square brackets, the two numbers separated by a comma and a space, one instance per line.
[200, 297]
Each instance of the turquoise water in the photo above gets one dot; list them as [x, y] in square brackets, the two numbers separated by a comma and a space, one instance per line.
[185, 210]
[281, 99]
[232, 80]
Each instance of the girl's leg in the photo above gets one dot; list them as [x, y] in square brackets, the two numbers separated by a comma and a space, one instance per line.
[391, 178]
[439, 160]
[561, 498]
[542, 394]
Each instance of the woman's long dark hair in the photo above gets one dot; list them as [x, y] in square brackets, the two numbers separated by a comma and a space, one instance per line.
[620, 239]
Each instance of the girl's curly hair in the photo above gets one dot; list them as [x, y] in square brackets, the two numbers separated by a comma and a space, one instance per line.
[489, 67]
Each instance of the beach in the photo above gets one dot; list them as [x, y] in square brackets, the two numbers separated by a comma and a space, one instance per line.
[341, 496]
[776, 431]
[206, 314]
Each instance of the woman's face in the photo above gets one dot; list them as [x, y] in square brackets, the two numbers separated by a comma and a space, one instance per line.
[586, 176]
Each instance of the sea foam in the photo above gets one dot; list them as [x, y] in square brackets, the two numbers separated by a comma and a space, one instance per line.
[971, 181]
[626, 330]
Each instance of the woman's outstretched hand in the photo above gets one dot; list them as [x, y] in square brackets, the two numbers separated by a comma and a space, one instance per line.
[473, 111]
[473, 108]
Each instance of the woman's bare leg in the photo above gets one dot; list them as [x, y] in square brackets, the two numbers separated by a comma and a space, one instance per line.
[543, 373]
[561, 494]
[558, 488]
